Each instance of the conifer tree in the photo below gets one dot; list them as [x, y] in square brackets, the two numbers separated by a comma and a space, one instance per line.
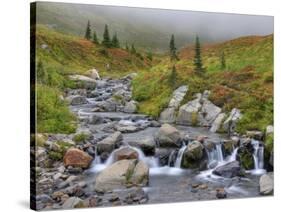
[115, 41]
[223, 65]
[133, 49]
[173, 49]
[173, 77]
[197, 58]
[95, 38]
[88, 31]
[106, 37]
[127, 47]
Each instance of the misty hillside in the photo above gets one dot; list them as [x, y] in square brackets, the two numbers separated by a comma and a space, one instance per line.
[150, 28]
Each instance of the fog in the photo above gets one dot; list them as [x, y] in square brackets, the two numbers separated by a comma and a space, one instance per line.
[152, 27]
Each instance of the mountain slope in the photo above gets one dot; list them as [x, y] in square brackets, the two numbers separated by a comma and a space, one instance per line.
[247, 83]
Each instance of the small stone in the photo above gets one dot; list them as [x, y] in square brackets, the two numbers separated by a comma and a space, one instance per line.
[221, 193]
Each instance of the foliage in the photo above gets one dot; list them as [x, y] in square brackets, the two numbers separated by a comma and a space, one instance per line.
[81, 137]
[173, 78]
[223, 65]
[53, 115]
[88, 31]
[106, 37]
[115, 41]
[95, 38]
[173, 49]
[198, 66]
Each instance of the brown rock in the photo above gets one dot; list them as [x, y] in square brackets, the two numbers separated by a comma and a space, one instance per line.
[125, 153]
[77, 158]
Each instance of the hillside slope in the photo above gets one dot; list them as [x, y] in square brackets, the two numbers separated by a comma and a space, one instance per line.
[247, 83]
[72, 54]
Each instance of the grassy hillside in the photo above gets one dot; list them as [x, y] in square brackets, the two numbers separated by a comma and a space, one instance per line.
[72, 54]
[59, 55]
[247, 83]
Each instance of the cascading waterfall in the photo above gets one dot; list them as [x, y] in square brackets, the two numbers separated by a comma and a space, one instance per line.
[179, 156]
[258, 156]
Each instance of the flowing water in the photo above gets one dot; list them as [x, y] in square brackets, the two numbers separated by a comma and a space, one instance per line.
[171, 183]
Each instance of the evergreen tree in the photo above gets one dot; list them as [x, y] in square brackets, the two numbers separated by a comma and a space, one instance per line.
[95, 38]
[106, 37]
[115, 41]
[197, 58]
[223, 65]
[133, 49]
[172, 80]
[173, 49]
[88, 31]
[149, 55]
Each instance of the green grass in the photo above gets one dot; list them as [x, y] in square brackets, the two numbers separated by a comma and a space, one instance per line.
[247, 83]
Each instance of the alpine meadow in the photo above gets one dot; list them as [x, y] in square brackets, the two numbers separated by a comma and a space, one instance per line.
[141, 106]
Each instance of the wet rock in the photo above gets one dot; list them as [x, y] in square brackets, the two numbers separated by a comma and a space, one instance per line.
[77, 100]
[245, 157]
[77, 158]
[73, 202]
[221, 193]
[255, 134]
[193, 156]
[125, 153]
[228, 170]
[121, 174]
[110, 143]
[266, 184]
[140, 175]
[154, 123]
[163, 154]
[147, 145]
[44, 198]
[228, 146]
[217, 123]
[127, 129]
[94, 119]
[130, 107]
[168, 136]
[229, 124]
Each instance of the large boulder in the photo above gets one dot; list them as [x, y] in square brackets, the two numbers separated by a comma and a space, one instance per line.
[229, 124]
[217, 123]
[83, 81]
[77, 158]
[147, 145]
[193, 156]
[188, 113]
[168, 115]
[121, 174]
[168, 136]
[109, 143]
[130, 107]
[228, 170]
[93, 74]
[208, 113]
[125, 153]
[267, 184]
[77, 100]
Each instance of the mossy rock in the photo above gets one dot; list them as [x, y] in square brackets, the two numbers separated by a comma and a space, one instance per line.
[246, 158]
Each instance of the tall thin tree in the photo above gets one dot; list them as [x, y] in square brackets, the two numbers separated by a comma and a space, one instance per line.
[133, 49]
[95, 38]
[88, 31]
[106, 37]
[197, 58]
[173, 49]
[115, 42]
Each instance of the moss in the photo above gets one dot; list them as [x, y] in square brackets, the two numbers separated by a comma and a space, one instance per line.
[81, 137]
[57, 156]
[246, 159]
[194, 118]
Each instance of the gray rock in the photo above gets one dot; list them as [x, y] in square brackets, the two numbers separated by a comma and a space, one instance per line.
[109, 143]
[217, 123]
[230, 123]
[121, 174]
[208, 113]
[229, 170]
[193, 156]
[188, 113]
[255, 134]
[77, 100]
[267, 184]
[147, 145]
[130, 107]
[168, 115]
[73, 202]
[269, 130]
[168, 136]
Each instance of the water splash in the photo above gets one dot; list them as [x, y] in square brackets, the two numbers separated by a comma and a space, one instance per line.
[179, 156]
